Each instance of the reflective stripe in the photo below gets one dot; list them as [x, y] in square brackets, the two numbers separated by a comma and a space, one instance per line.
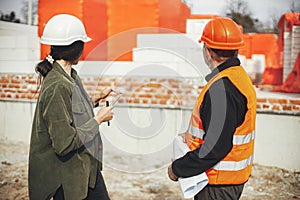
[232, 165]
[243, 139]
[195, 131]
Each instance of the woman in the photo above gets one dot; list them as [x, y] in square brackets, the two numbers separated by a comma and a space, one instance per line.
[65, 158]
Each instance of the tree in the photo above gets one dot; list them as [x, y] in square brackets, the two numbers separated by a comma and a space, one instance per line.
[9, 17]
[238, 11]
[24, 10]
[294, 7]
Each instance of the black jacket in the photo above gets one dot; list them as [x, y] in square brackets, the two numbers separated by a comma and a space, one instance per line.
[223, 109]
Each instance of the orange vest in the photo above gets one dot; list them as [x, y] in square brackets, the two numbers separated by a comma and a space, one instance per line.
[236, 167]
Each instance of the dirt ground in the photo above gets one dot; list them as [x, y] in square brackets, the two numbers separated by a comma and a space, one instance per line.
[265, 183]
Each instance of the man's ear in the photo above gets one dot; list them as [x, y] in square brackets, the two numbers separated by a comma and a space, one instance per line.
[212, 54]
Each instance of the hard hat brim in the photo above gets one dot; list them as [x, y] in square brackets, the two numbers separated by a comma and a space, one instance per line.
[63, 42]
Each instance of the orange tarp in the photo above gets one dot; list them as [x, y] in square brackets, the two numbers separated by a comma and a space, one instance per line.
[288, 20]
[292, 82]
[265, 44]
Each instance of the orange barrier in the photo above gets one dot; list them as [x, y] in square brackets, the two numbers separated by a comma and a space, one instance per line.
[266, 44]
[106, 19]
[292, 82]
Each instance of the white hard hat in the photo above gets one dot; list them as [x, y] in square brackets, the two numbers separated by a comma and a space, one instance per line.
[62, 30]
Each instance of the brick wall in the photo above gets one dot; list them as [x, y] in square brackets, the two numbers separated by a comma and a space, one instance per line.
[144, 91]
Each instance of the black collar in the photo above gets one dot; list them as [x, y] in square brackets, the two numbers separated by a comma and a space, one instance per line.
[228, 63]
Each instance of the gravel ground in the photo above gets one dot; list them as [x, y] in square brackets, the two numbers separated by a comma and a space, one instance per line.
[265, 183]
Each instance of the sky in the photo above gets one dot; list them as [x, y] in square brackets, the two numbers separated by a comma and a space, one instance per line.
[260, 9]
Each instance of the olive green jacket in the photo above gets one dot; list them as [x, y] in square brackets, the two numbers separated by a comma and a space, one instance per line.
[65, 147]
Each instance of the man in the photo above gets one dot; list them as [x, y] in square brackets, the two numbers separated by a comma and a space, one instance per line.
[221, 130]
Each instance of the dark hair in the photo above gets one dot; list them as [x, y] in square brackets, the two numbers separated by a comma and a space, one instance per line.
[70, 53]
[225, 53]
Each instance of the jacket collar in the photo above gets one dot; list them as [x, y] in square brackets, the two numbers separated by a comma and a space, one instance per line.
[225, 65]
[59, 69]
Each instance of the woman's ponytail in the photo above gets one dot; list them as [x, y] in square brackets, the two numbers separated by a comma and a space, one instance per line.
[44, 66]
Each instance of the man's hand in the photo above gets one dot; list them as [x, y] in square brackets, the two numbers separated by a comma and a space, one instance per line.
[172, 176]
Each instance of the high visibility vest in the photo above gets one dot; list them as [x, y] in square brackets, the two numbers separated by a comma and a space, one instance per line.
[236, 167]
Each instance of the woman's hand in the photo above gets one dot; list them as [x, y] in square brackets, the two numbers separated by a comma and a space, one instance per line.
[102, 95]
[104, 114]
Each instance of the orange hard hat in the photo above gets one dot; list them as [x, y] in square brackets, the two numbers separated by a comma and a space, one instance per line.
[222, 33]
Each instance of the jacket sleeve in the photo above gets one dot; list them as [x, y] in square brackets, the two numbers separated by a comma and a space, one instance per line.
[222, 111]
[57, 113]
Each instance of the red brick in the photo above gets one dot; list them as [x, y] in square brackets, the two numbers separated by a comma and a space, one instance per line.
[145, 101]
[117, 84]
[162, 80]
[296, 108]
[295, 101]
[265, 106]
[261, 100]
[136, 101]
[29, 96]
[145, 96]
[3, 95]
[174, 81]
[160, 96]
[188, 92]
[163, 102]
[31, 81]
[258, 106]
[174, 85]
[179, 91]
[153, 101]
[276, 107]
[154, 85]
[129, 100]
[16, 81]
[4, 80]
[170, 92]
[14, 86]
[10, 91]
[287, 107]
[280, 101]
[104, 84]
[186, 86]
